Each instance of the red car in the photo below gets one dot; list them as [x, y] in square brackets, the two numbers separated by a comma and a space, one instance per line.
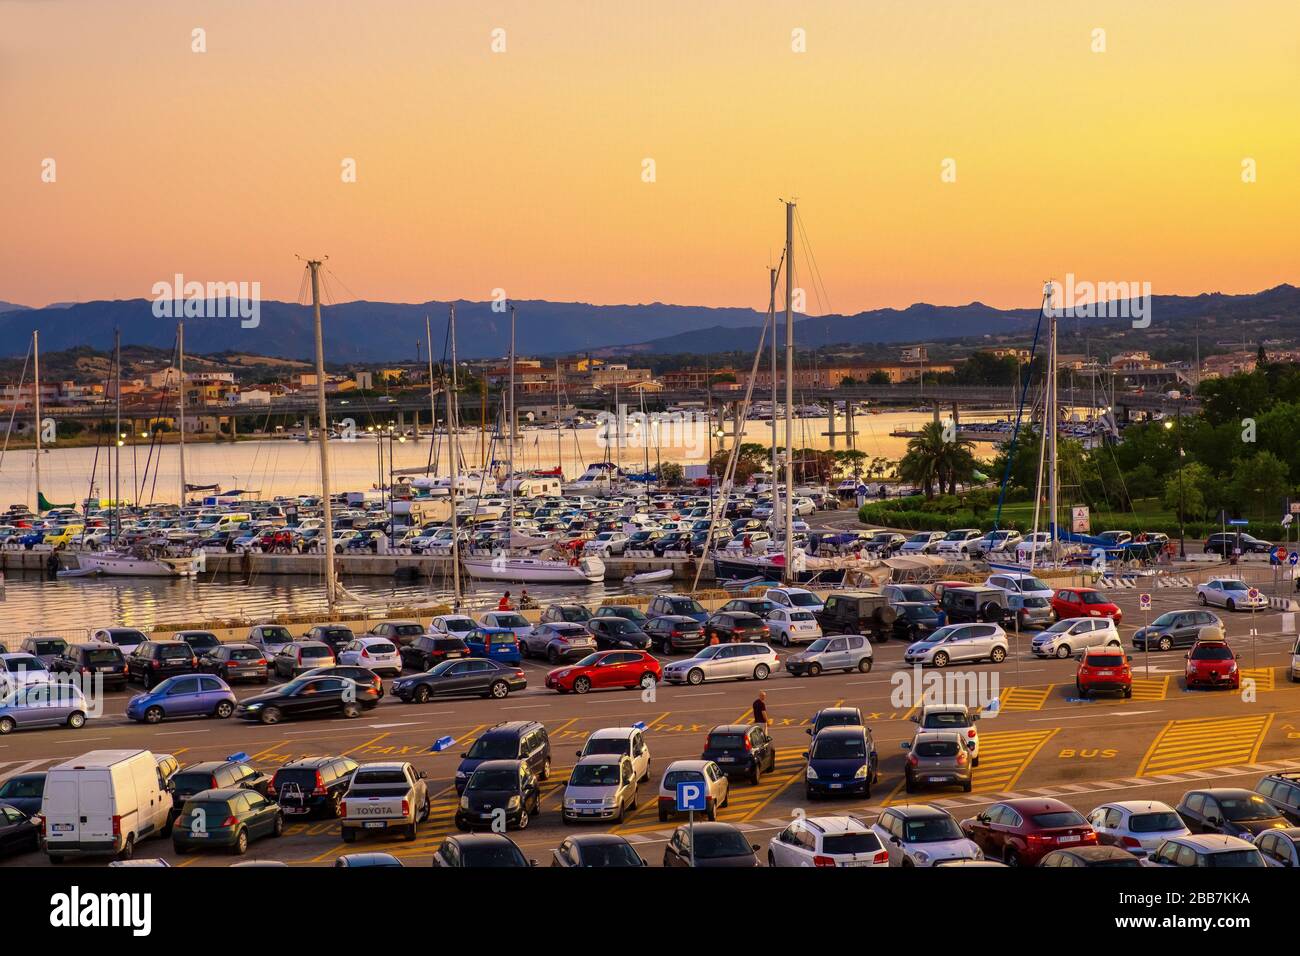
[606, 669]
[1084, 602]
[1021, 832]
[1104, 669]
[1212, 664]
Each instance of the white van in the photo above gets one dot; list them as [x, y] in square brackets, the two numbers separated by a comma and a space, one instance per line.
[103, 803]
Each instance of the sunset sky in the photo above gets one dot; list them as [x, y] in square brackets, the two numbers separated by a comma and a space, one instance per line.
[523, 169]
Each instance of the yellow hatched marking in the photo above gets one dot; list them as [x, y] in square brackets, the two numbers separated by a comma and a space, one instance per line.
[1203, 743]
[1021, 699]
[1263, 677]
[1155, 688]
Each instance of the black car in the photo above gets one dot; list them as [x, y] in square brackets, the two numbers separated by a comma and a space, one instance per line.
[201, 642]
[309, 696]
[430, 649]
[93, 658]
[715, 845]
[46, 648]
[227, 819]
[480, 849]
[234, 662]
[1224, 544]
[618, 634]
[915, 621]
[681, 541]
[24, 791]
[629, 612]
[312, 785]
[525, 740]
[155, 661]
[676, 632]
[366, 860]
[569, 613]
[217, 775]
[332, 635]
[1105, 857]
[760, 606]
[499, 792]
[362, 676]
[834, 717]
[741, 750]
[733, 626]
[1282, 790]
[841, 761]
[476, 677]
[595, 850]
[18, 832]
[1229, 811]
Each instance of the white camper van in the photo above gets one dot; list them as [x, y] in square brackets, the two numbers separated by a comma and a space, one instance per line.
[103, 803]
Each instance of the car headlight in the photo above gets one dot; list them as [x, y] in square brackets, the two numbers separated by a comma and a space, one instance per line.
[862, 772]
[921, 856]
[810, 773]
[464, 803]
[255, 706]
[513, 803]
[564, 673]
[460, 774]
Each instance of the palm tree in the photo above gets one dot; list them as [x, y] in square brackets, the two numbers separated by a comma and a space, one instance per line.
[933, 460]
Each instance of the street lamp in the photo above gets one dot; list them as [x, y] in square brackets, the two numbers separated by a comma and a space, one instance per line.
[1182, 530]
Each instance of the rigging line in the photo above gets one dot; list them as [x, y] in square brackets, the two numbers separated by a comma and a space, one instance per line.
[1015, 431]
[22, 377]
[814, 268]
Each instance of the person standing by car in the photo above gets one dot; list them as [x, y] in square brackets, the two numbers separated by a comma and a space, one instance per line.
[760, 712]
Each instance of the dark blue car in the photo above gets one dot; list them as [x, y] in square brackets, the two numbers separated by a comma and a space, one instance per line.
[841, 761]
[494, 643]
[24, 791]
[186, 695]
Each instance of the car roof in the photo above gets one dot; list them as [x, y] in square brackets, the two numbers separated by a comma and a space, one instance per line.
[937, 734]
[597, 839]
[842, 730]
[218, 793]
[1097, 852]
[611, 733]
[1222, 792]
[944, 709]
[596, 759]
[732, 729]
[837, 710]
[1140, 806]
[1212, 842]
[206, 766]
[510, 728]
[697, 765]
[383, 765]
[718, 827]
[843, 824]
[1037, 805]
[920, 811]
[481, 839]
[499, 765]
[312, 761]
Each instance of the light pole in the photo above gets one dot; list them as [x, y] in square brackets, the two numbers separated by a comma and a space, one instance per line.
[1182, 528]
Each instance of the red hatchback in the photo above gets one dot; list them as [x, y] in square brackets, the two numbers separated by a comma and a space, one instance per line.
[1104, 669]
[606, 669]
[1021, 832]
[1084, 602]
[1212, 664]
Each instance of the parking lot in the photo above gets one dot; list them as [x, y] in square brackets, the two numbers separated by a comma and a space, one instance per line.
[1043, 741]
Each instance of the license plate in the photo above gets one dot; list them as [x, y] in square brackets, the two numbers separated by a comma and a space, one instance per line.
[63, 828]
[1105, 673]
[937, 778]
[294, 809]
[836, 786]
[1067, 839]
[199, 836]
[726, 760]
[375, 824]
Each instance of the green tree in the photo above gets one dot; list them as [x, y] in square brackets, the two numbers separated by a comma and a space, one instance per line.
[1190, 491]
[932, 461]
[1258, 483]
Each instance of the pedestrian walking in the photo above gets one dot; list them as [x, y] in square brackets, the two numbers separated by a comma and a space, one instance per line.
[761, 716]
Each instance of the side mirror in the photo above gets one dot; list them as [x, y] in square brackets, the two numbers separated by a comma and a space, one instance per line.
[421, 775]
[577, 753]
[905, 745]
[465, 754]
[805, 755]
[808, 731]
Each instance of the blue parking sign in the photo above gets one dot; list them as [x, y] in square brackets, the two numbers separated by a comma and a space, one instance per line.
[691, 796]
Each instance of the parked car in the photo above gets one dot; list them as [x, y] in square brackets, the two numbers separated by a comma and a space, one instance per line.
[724, 662]
[857, 612]
[1075, 634]
[1021, 832]
[225, 819]
[1085, 602]
[565, 614]
[474, 677]
[270, 639]
[1139, 826]
[454, 625]
[1230, 594]
[957, 544]
[499, 790]
[841, 761]
[923, 542]
[384, 797]
[301, 656]
[595, 850]
[56, 704]
[1280, 847]
[920, 835]
[1230, 811]
[710, 845]
[626, 741]
[793, 626]
[217, 775]
[127, 639]
[1175, 629]
[1212, 663]
[955, 717]
[400, 633]
[367, 860]
[675, 632]
[19, 833]
[312, 785]
[24, 791]
[1224, 544]
[741, 750]
[717, 787]
[524, 740]
[628, 611]
[155, 661]
[1102, 857]
[189, 695]
[430, 649]
[760, 606]
[19, 669]
[827, 841]
[616, 633]
[735, 626]
[45, 648]
[1104, 669]
[557, 641]
[336, 636]
[94, 660]
[1020, 582]
[480, 850]
[846, 652]
[200, 642]
[309, 696]
[233, 662]
[799, 598]
[675, 605]
[377, 653]
[955, 643]
[1281, 789]
[103, 803]
[916, 620]
[1207, 850]
[938, 758]
[601, 787]
[494, 643]
[834, 717]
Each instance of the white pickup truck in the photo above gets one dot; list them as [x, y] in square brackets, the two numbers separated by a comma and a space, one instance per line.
[382, 798]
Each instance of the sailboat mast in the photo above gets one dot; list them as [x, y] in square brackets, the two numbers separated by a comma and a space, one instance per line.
[510, 424]
[559, 432]
[1053, 478]
[771, 321]
[433, 401]
[180, 356]
[452, 454]
[788, 512]
[323, 435]
[36, 357]
[117, 433]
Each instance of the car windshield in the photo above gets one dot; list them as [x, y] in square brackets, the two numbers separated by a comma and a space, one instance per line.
[712, 845]
[803, 599]
[687, 606]
[1156, 821]
[192, 782]
[24, 663]
[818, 645]
[608, 745]
[944, 633]
[1246, 808]
[931, 830]
[610, 854]
[23, 787]
[915, 594]
[493, 748]
[922, 538]
[1093, 597]
[725, 741]
[458, 625]
[494, 780]
[595, 775]
[1105, 660]
[107, 655]
[175, 652]
[1234, 586]
[1033, 584]
[946, 719]
[511, 620]
[498, 855]
[1234, 858]
[1212, 652]
[276, 635]
[840, 748]
[631, 613]
[1065, 818]
[1064, 625]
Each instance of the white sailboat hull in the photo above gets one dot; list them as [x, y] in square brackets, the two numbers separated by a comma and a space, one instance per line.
[588, 570]
[125, 565]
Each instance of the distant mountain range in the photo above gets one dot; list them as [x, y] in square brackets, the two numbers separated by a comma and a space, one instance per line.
[385, 331]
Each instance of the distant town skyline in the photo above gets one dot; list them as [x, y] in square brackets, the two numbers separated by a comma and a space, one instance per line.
[943, 154]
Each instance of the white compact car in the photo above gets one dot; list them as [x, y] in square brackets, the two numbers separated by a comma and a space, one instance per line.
[512, 621]
[793, 626]
[800, 598]
[958, 543]
[628, 741]
[1139, 826]
[827, 841]
[716, 786]
[1230, 594]
[923, 542]
[377, 653]
[918, 834]
[1072, 635]
[453, 625]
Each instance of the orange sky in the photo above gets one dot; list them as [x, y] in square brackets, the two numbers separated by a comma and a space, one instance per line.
[522, 170]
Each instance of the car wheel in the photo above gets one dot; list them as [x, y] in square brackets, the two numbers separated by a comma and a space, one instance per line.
[1165, 644]
[421, 695]
[523, 818]
[864, 665]
[966, 787]
[223, 710]
[695, 677]
[153, 715]
[6, 725]
[756, 775]
[761, 672]
[271, 715]
[581, 685]
[351, 709]
[346, 835]
[128, 849]
[663, 815]
[1012, 858]
[1128, 693]
[1230, 605]
[551, 656]
[499, 690]
[1063, 651]
[1115, 644]
[909, 784]
[336, 805]
[785, 638]
[147, 681]
[998, 655]
[814, 669]
[940, 659]
[647, 680]
[277, 828]
[1201, 598]
[546, 770]
[412, 832]
[76, 720]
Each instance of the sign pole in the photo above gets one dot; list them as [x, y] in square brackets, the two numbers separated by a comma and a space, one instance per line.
[690, 829]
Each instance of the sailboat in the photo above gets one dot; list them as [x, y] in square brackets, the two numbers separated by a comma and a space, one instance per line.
[547, 565]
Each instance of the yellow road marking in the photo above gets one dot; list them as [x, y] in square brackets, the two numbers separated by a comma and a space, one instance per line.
[1263, 677]
[370, 742]
[1205, 742]
[1022, 699]
[1151, 688]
